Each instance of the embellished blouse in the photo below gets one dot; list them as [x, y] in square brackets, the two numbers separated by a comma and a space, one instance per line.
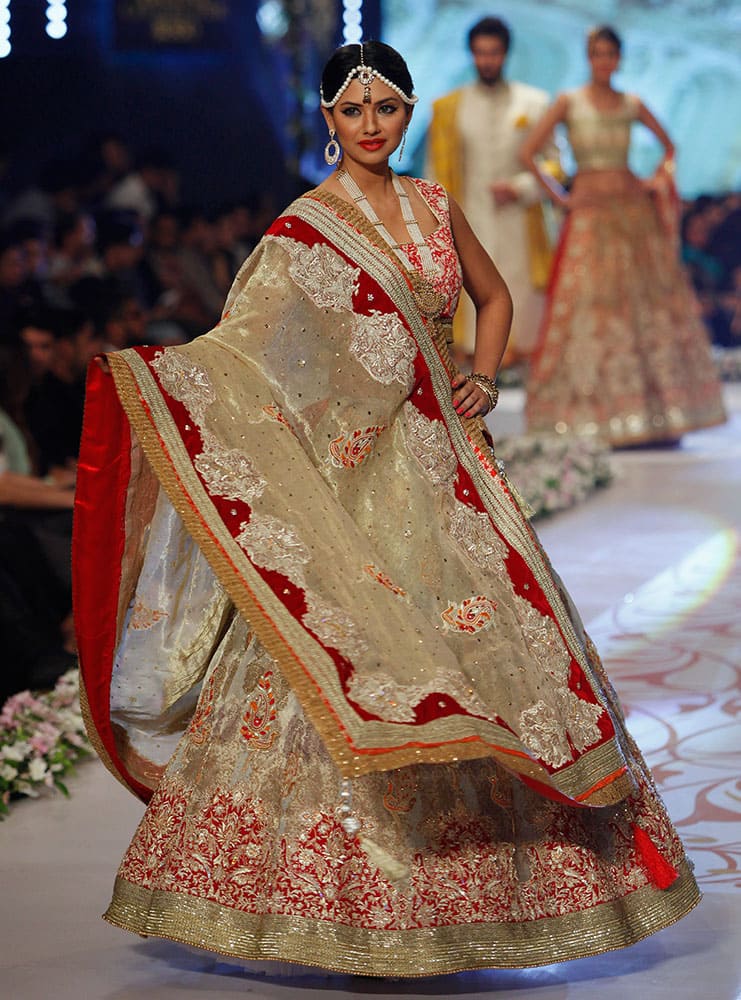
[600, 140]
[449, 278]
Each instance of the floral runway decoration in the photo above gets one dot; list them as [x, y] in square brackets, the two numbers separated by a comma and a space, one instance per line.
[554, 472]
[42, 736]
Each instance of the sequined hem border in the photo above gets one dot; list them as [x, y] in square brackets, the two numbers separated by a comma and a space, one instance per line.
[408, 953]
[668, 435]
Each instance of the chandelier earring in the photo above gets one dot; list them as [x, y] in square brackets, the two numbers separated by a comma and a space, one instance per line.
[403, 144]
[333, 150]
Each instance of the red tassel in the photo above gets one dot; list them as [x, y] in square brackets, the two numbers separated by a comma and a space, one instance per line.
[661, 873]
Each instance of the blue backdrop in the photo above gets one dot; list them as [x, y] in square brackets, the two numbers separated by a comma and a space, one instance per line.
[682, 57]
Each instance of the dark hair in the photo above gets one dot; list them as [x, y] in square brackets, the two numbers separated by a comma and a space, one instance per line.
[380, 56]
[67, 224]
[604, 33]
[67, 322]
[37, 315]
[118, 227]
[15, 379]
[491, 26]
[27, 228]
[156, 158]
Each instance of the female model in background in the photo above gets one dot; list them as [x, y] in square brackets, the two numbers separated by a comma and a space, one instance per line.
[623, 351]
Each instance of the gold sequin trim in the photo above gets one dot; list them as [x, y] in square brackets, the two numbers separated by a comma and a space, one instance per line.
[409, 953]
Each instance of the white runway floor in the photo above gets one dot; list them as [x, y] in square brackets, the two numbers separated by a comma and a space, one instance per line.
[653, 564]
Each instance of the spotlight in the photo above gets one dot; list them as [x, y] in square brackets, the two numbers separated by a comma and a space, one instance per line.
[5, 46]
[352, 17]
[272, 19]
[56, 19]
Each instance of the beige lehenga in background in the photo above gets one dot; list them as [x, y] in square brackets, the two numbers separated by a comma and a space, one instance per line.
[301, 577]
[623, 351]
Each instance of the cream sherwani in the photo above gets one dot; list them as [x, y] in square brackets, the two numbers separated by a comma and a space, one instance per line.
[491, 124]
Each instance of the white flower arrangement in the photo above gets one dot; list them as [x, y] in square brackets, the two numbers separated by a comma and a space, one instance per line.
[42, 736]
[554, 472]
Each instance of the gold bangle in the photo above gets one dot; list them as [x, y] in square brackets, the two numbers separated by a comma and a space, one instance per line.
[488, 385]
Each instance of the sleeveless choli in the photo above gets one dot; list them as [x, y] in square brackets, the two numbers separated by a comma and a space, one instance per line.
[449, 279]
[600, 140]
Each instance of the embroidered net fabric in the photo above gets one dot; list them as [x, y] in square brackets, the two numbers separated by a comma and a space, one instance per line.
[327, 576]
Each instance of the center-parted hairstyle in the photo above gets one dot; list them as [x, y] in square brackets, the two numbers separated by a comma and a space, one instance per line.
[604, 33]
[365, 61]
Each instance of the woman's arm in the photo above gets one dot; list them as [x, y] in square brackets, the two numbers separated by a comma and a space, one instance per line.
[493, 303]
[645, 117]
[537, 140]
[17, 490]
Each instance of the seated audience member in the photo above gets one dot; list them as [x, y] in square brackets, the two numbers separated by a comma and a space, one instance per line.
[152, 186]
[228, 251]
[243, 222]
[35, 598]
[17, 292]
[33, 238]
[107, 160]
[121, 248]
[34, 327]
[198, 246]
[73, 255]
[711, 251]
[55, 404]
[119, 319]
[123, 324]
[55, 194]
[729, 303]
[725, 244]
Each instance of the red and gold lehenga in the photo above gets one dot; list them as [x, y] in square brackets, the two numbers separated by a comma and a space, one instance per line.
[623, 352]
[301, 577]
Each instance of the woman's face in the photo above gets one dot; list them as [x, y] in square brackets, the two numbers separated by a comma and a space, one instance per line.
[368, 132]
[604, 59]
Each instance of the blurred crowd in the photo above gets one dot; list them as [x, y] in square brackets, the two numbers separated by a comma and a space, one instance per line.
[101, 254]
[711, 250]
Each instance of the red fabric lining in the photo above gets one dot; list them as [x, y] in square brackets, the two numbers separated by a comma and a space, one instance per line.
[556, 267]
[98, 541]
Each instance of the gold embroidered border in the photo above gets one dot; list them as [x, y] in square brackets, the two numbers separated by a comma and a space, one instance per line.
[297, 654]
[408, 953]
[277, 630]
[357, 747]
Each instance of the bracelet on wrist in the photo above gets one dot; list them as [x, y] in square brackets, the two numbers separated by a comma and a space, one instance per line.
[487, 385]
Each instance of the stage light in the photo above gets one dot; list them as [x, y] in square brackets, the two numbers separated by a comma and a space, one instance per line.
[352, 17]
[272, 19]
[5, 46]
[56, 19]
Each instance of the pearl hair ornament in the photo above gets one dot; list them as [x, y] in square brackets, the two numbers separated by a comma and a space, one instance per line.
[366, 75]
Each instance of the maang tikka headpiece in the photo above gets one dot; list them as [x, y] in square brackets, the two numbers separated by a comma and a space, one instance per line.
[366, 75]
